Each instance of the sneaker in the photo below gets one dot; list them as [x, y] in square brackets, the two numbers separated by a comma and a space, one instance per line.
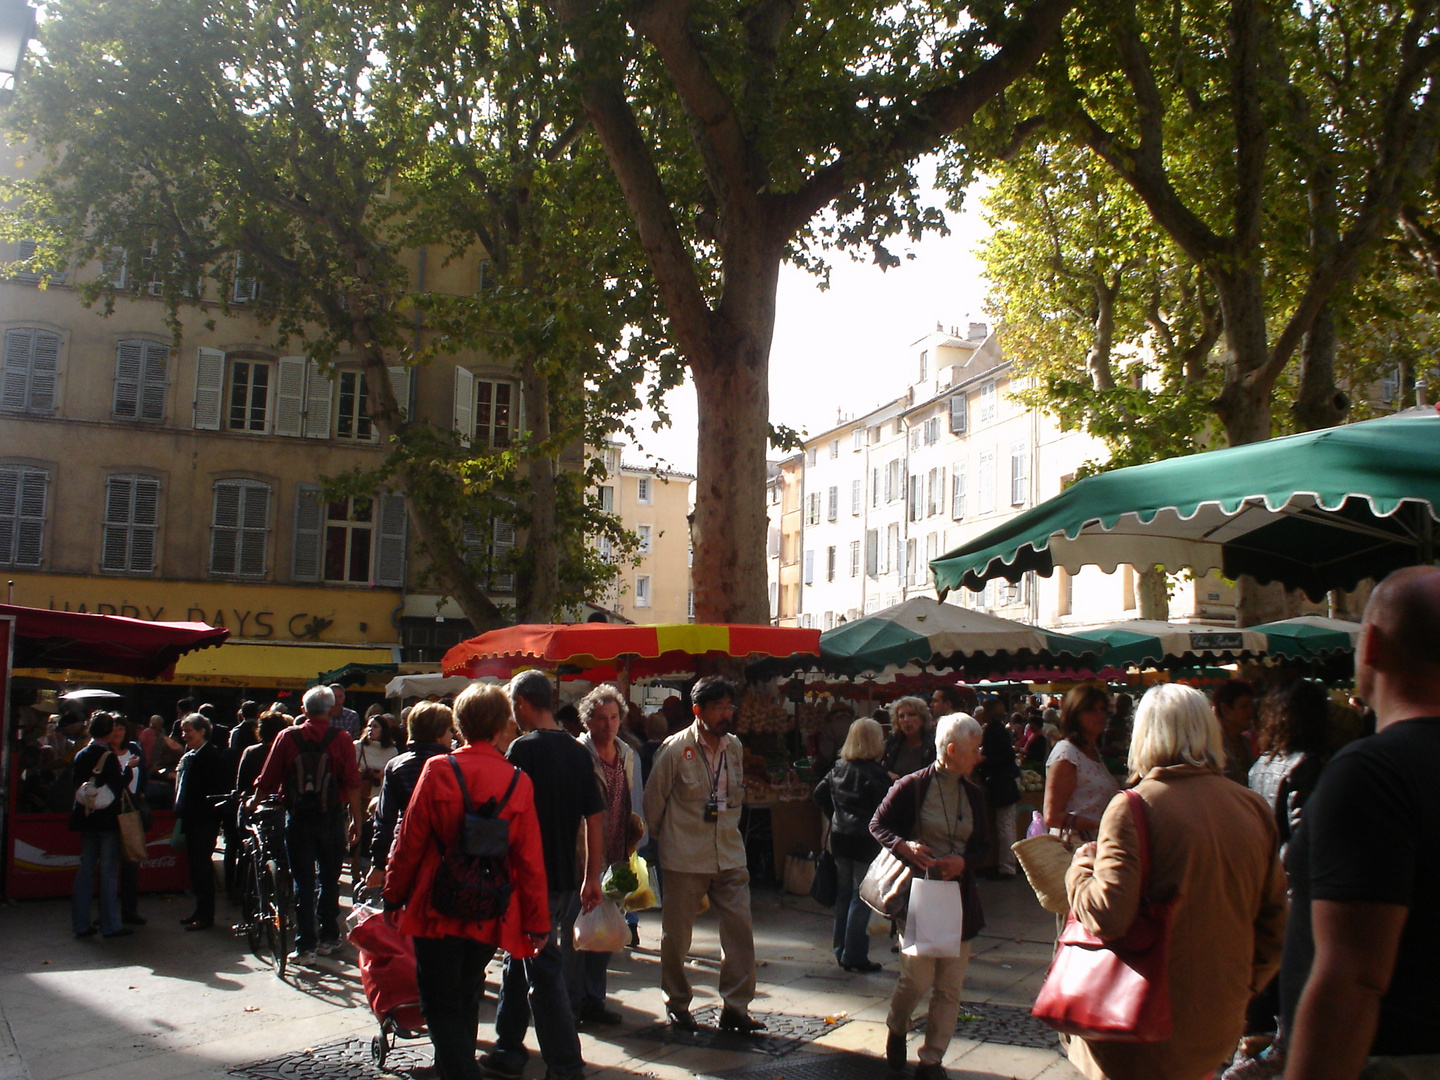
[325, 948]
[492, 1064]
[304, 957]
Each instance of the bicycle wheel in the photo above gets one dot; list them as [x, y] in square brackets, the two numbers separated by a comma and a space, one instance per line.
[252, 904]
[280, 921]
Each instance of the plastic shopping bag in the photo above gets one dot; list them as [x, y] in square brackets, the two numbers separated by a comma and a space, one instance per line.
[643, 898]
[934, 920]
[601, 929]
[1037, 826]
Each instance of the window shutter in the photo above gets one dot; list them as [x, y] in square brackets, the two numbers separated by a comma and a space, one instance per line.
[503, 549]
[146, 518]
[245, 289]
[319, 392]
[209, 388]
[809, 567]
[31, 519]
[254, 528]
[290, 398]
[225, 528]
[129, 371]
[390, 549]
[472, 539]
[959, 414]
[309, 523]
[464, 412]
[400, 384]
[833, 505]
[15, 389]
[153, 380]
[872, 552]
[43, 371]
[957, 493]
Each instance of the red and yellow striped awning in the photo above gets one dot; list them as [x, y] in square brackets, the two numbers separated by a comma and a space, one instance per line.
[605, 648]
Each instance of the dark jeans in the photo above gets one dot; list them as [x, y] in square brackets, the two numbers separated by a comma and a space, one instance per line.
[199, 851]
[451, 976]
[852, 918]
[129, 889]
[102, 850]
[316, 848]
[536, 987]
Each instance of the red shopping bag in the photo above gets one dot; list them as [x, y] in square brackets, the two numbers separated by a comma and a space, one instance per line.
[387, 970]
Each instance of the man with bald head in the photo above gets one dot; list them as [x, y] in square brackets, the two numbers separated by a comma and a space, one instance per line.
[1365, 879]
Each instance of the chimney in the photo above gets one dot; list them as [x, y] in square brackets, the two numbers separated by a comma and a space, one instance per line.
[979, 331]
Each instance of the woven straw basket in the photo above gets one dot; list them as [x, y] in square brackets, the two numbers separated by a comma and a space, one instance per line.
[1045, 860]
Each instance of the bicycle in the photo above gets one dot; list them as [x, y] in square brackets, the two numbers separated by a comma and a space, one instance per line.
[267, 902]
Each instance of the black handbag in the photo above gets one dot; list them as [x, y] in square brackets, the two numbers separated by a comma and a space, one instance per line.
[826, 883]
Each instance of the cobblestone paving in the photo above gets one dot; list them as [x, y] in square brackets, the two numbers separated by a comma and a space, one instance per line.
[348, 1059]
[784, 1032]
[1011, 1025]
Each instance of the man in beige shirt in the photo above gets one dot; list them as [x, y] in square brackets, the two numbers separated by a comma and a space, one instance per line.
[692, 806]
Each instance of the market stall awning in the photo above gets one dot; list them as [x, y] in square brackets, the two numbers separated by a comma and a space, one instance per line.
[354, 674]
[1317, 511]
[1149, 643]
[1309, 637]
[925, 631]
[643, 651]
[407, 686]
[290, 666]
[112, 644]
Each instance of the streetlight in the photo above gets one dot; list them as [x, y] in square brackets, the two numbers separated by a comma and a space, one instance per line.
[17, 27]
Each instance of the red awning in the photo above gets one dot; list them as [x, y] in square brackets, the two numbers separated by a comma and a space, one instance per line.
[108, 643]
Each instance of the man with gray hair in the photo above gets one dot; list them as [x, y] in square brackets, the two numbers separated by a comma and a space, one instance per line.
[567, 795]
[313, 767]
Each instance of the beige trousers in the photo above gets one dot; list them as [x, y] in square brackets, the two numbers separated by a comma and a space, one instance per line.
[943, 978]
[729, 893]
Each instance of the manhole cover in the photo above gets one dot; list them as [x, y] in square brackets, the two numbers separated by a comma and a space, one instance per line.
[783, 1033]
[837, 1066]
[349, 1059]
[1011, 1025]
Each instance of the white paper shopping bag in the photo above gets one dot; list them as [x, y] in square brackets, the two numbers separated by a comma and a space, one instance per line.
[935, 919]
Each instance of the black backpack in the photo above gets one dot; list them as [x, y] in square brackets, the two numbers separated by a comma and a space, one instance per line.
[312, 791]
[472, 881]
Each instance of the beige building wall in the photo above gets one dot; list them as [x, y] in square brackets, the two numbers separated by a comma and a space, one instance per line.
[655, 505]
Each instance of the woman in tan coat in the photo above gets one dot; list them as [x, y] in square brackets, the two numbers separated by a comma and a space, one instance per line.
[1213, 846]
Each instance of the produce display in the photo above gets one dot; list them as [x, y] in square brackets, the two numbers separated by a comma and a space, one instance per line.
[1030, 780]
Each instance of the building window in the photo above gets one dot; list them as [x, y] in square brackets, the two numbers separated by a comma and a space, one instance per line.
[985, 482]
[1018, 458]
[809, 574]
[240, 528]
[22, 514]
[607, 498]
[857, 439]
[957, 491]
[875, 487]
[959, 415]
[642, 490]
[834, 449]
[247, 402]
[132, 513]
[894, 489]
[642, 590]
[855, 558]
[989, 408]
[349, 535]
[893, 554]
[924, 365]
[811, 456]
[915, 497]
[932, 431]
[290, 396]
[606, 547]
[32, 363]
[912, 564]
[932, 552]
[935, 492]
[915, 438]
[140, 368]
[857, 496]
[832, 507]
[812, 508]
[490, 551]
[872, 552]
[484, 410]
[644, 533]
[690, 604]
[830, 563]
[352, 416]
[26, 252]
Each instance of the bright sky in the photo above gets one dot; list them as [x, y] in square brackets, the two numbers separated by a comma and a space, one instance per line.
[841, 349]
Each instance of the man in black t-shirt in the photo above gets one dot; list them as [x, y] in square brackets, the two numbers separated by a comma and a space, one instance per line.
[1365, 918]
[567, 796]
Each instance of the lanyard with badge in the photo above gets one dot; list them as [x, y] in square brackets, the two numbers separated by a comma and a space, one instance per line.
[712, 806]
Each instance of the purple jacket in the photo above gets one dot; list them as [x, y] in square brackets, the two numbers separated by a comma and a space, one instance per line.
[898, 818]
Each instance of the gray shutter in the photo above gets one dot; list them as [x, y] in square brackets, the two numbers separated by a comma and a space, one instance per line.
[959, 414]
[245, 289]
[503, 549]
[390, 549]
[306, 557]
[15, 387]
[464, 409]
[290, 396]
[319, 389]
[400, 384]
[10, 480]
[30, 542]
[144, 524]
[872, 552]
[254, 528]
[209, 388]
[129, 371]
[153, 381]
[225, 527]
[44, 370]
[115, 540]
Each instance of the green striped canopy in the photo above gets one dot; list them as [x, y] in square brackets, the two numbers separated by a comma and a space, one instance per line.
[1317, 511]
[1308, 637]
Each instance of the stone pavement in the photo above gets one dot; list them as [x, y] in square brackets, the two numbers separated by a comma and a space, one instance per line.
[170, 1005]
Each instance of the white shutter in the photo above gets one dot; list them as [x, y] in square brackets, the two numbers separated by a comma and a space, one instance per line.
[209, 388]
[464, 415]
[504, 547]
[153, 381]
[245, 289]
[319, 391]
[400, 384]
[225, 528]
[390, 548]
[290, 396]
[305, 564]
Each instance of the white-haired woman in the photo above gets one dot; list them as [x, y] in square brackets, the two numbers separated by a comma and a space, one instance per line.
[617, 771]
[850, 794]
[1212, 846]
[910, 747]
[935, 820]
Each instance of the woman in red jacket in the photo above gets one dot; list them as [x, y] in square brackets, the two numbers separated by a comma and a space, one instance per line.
[451, 954]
